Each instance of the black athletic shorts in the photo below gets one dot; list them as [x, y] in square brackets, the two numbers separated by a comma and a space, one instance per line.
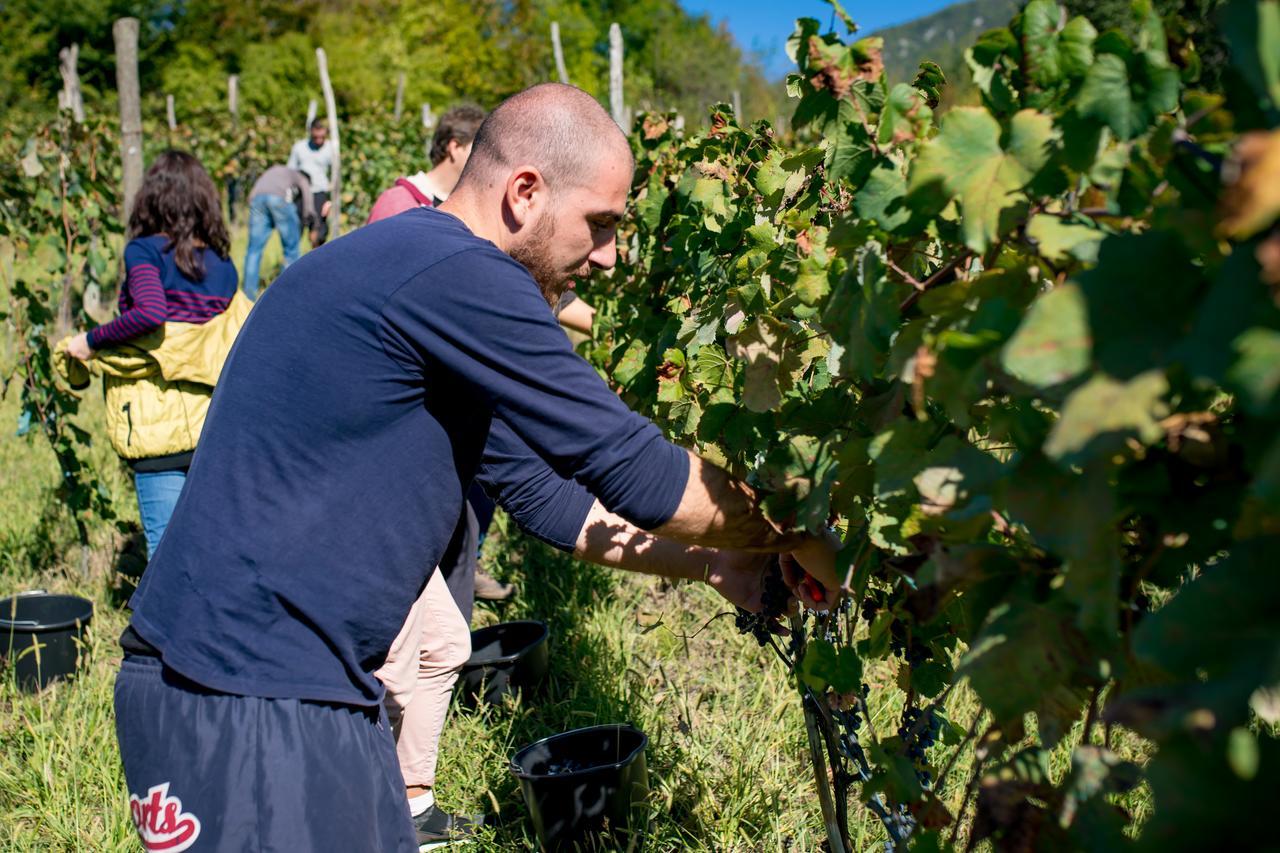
[210, 771]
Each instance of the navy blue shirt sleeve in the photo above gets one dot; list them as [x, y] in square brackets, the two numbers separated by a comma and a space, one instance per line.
[544, 504]
[492, 329]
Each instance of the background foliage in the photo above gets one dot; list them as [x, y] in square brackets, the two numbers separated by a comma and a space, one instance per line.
[449, 50]
[1026, 357]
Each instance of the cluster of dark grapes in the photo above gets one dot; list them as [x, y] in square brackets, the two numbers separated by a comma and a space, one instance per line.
[918, 738]
[911, 651]
[773, 600]
[869, 609]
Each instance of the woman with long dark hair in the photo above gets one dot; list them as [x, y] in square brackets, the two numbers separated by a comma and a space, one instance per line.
[177, 272]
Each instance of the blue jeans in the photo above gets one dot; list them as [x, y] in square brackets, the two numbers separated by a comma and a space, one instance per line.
[265, 213]
[157, 496]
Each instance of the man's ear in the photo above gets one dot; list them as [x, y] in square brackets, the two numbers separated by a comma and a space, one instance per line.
[526, 192]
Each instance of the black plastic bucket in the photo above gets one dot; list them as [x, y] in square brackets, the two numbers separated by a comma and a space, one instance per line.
[585, 788]
[41, 635]
[506, 657]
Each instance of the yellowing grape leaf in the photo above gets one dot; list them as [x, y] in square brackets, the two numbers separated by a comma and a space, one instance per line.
[760, 344]
[1252, 201]
[972, 161]
[1052, 345]
[1102, 413]
[905, 116]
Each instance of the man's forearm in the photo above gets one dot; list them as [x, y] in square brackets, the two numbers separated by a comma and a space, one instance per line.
[720, 511]
[610, 540]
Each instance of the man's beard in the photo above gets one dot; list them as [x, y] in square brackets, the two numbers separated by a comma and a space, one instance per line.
[534, 253]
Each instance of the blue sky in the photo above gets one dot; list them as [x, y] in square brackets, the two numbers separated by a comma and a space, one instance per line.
[764, 26]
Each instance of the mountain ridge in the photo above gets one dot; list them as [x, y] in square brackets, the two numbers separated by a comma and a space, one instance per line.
[942, 37]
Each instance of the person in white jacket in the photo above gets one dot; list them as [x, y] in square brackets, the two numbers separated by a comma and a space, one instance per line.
[314, 158]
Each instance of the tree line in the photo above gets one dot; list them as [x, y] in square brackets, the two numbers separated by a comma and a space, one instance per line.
[447, 49]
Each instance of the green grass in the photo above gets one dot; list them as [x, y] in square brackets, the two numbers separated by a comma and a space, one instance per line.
[727, 755]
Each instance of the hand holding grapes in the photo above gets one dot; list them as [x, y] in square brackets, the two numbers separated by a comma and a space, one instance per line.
[810, 571]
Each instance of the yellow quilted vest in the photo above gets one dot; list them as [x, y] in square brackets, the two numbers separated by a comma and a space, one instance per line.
[157, 387]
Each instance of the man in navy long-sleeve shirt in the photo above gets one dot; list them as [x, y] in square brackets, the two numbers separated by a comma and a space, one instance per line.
[369, 387]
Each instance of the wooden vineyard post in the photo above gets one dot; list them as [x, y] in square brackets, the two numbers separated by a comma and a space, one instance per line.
[233, 182]
[169, 113]
[233, 99]
[335, 176]
[428, 120]
[616, 108]
[69, 97]
[399, 110]
[125, 32]
[311, 115]
[737, 107]
[558, 51]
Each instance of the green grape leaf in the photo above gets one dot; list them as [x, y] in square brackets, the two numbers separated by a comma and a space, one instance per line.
[862, 315]
[1055, 52]
[991, 61]
[971, 161]
[631, 362]
[824, 665]
[714, 372]
[850, 149]
[905, 117]
[1126, 91]
[1098, 416]
[930, 80]
[845, 17]
[1061, 242]
[954, 479]
[782, 174]
[650, 204]
[710, 195]
[1252, 30]
[883, 198]
[894, 776]
[1136, 328]
[812, 282]
[1020, 661]
[1255, 374]
[1221, 623]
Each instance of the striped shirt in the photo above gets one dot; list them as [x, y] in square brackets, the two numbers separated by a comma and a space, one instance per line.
[155, 291]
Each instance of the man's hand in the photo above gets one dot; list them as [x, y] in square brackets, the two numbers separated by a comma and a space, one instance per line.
[810, 571]
[738, 576]
[314, 234]
[79, 347]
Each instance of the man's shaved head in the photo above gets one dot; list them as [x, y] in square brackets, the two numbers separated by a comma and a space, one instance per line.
[547, 183]
[560, 130]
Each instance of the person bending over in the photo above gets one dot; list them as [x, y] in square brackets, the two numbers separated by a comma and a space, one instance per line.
[273, 205]
[348, 425]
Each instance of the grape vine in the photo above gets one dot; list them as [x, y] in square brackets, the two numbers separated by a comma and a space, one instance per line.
[58, 210]
[1026, 357]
